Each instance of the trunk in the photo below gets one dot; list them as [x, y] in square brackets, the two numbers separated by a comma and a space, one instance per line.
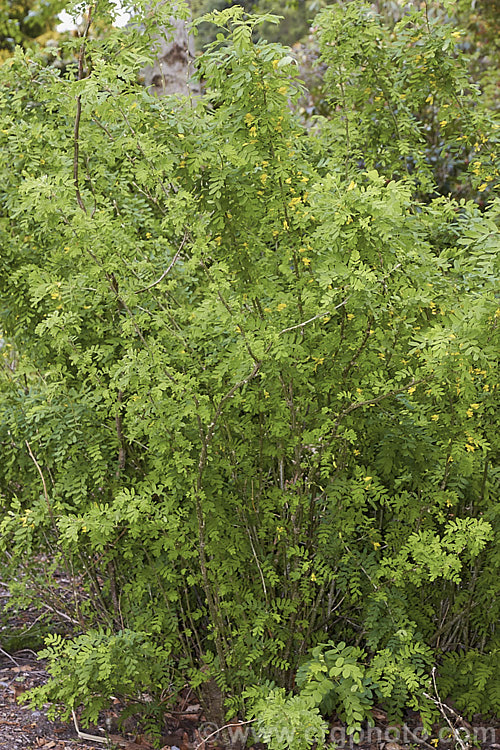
[171, 72]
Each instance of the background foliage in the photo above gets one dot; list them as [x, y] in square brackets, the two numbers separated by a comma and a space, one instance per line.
[249, 380]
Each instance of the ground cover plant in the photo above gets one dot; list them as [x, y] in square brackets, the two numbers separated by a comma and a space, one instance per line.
[249, 374]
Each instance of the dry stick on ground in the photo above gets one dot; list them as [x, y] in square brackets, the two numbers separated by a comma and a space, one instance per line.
[226, 726]
[419, 739]
[8, 656]
[83, 736]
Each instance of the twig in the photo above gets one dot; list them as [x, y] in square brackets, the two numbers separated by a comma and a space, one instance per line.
[418, 739]
[76, 130]
[45, 493]
[83, 736]
[122, 452]
[442, 706]
[8, 656]
[376, 400]
[226, 726]
[62, 614]
[172, 264]
[316, 317]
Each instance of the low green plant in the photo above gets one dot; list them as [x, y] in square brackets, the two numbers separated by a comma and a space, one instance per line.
[90, 668]
[285, 721]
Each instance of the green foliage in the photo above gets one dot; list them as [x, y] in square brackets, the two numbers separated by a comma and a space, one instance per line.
[473, 677]
[285, 721]
[94, 665]
[339, 677]
[249, 381]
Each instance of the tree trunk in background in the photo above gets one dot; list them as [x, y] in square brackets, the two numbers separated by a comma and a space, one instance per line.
[171, 72]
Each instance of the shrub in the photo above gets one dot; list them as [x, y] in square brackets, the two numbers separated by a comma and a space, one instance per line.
[252, 405]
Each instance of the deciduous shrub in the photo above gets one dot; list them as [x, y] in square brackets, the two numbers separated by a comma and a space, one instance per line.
[249, 400]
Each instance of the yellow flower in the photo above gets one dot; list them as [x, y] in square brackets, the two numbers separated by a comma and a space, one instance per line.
[482, 187]
[253, 131]
[266, 394]
[350, 316]
[267, 309]
[412, 389]
[356, 452]
[351, 185]
[313, 577]
[474, 406]
[148, 235]
[367, 479]
[469, 413]
[470, 448]
[282, 90]
[263, 178]
[281, 306]
[306, 261]
[376, 545]
[435, 417]
[249, 118]
[435, 742]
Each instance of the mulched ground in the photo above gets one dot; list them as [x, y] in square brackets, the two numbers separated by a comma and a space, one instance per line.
[20, 727]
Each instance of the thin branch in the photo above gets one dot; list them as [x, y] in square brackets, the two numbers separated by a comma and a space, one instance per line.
[76, 150]
[172, 264]
[346, 369]
[226, 726]
[442, 706]
[76, 130]
[45, 493]
[8, 656]
[316, 317]
[83, 735]
[418, 739]
[122, 450]
[376, 400]
[56, 530]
